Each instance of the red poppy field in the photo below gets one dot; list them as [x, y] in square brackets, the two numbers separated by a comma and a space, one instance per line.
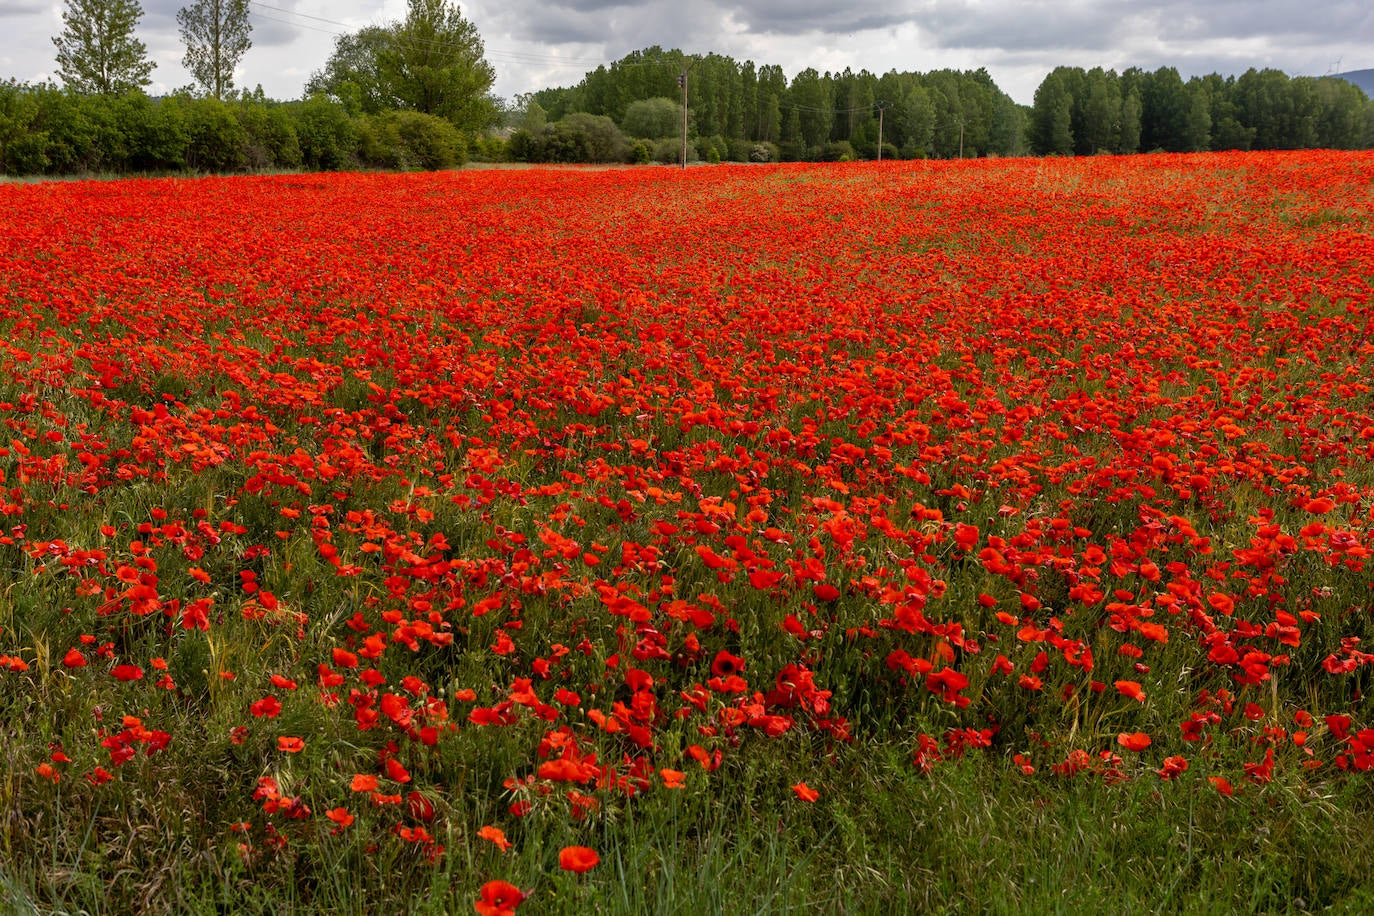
[961, 534]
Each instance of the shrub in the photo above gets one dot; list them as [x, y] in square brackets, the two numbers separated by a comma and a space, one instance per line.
[669, 152]
[429, 142]
[272, 140]
[79, 134]
[379, 143]
[764, 152]
[327, 136]
[791, 151]
[215, 140]
[652, 119]
[410, 141]
[490, 148]
[582, 137]
[738, 149]
[155, 132]
[837, 151]
[20, 145]
[578, 137]
[521, 146]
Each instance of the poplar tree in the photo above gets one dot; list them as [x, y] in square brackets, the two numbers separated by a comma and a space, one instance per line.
[216, 36]
[97, 52]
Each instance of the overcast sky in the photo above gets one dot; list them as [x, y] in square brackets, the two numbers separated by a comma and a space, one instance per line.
[535, 43]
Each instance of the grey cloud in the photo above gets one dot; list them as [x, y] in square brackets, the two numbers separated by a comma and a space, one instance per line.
[619, 23]
[631, 24]
[566, 27]
[800, 17]
[1300, 23]
[268, 34]
[968, 24]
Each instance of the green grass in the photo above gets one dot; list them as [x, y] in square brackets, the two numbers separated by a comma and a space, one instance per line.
[882, 838]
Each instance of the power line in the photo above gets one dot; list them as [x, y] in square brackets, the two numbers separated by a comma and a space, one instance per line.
[789, 106]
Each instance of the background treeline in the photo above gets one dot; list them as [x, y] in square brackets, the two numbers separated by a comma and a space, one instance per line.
[747, 113]
[631, 111]
[744, 112]
[46, 130]
[1081, 112]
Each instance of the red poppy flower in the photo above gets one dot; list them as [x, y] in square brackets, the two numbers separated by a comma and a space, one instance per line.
[498, 898]
[1131, 689]
[339, 816]
[269, 706]
[726, 665]
[1173, 766]
[805, 792]
[495, 835]
[1133, 741]
[395, 771]
[577, 858]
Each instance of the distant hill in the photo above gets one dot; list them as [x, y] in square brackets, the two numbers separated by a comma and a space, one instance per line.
[1362, 78]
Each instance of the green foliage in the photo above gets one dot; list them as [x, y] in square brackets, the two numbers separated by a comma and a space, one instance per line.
[84, 133]
[216, 141]
[1052, 121]
[410, 141]
[669, 151]
[712, 149]
[652, 119]
[490, 148]
[155, 133]
[272, 140]
[1129, 136]
[579, 137]
[97, 51]
[353, 76]
[534, 119]
[431, 62]
[737, 112]
[838, 151]
[22, 148]
[216, 36]
[741, 102]
[1086, 111]
[328, 137]
[66, 133]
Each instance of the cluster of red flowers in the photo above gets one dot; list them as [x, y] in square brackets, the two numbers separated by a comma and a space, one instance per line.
[1029, 446]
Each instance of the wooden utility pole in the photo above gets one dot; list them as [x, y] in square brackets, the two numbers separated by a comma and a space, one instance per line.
[880, 132]
[682, 81]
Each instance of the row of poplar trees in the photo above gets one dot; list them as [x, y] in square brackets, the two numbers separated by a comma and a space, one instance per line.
[1081, 112]
[945, 113]
[949, 113]
[99, 52]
